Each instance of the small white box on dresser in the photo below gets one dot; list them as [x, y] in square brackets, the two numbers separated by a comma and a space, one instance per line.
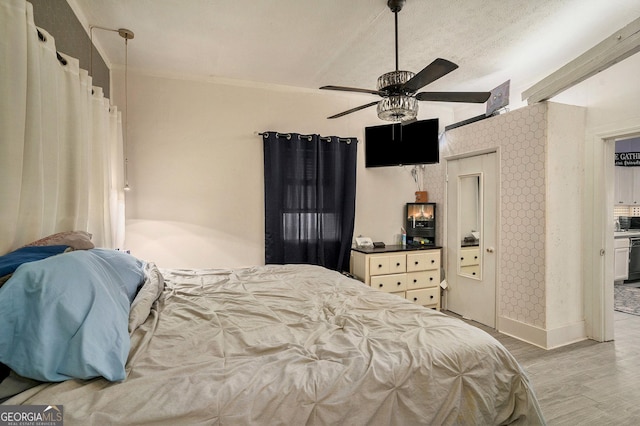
[412, 273]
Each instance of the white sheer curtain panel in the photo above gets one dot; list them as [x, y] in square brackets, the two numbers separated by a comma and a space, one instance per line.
[61, 159]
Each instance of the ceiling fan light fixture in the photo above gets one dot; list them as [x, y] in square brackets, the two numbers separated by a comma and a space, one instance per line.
[394, 80]
[398, 88]
[398, 108]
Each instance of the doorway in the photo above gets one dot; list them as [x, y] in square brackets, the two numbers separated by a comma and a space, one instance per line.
[598, 249]
[472, 206]
[626, 210]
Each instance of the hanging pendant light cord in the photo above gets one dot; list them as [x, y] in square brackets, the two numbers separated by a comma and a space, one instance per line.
[126, 115]
[126, 34]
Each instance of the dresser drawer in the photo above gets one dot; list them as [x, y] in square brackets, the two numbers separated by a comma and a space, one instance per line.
[473, 270]
[397, 264]
[423, 279]
[400, 294]
[423, 261]
[379, 265]
[469, 256]
[390, 283]
[390, 264]
[425, 296]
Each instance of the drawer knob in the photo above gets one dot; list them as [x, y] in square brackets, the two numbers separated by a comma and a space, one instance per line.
[415, 299]
[433, 261]
[415, 281]
[430, 278]
[431, 296]
[475, 257]
[417, 262]
[474, 273]
[379, 266]
[381, 285]
[399, 283]
[398, 264]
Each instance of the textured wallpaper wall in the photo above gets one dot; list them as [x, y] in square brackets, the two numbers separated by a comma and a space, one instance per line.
[520, 136]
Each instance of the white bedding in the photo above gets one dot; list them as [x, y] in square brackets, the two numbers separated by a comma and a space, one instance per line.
[295, 344]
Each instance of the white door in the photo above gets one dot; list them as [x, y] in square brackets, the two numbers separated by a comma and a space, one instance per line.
[472, 207]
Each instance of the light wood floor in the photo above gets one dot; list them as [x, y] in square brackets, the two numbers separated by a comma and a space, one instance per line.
[587, 383]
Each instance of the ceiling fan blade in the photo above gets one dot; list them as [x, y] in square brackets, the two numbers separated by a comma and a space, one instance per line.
[436, 69]
[353, 89]
[467, 97]
[354, 110]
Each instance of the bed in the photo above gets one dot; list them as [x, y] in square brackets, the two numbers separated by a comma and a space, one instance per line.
[281, 344]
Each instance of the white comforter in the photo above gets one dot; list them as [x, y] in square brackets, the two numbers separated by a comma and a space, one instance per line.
[295, 345]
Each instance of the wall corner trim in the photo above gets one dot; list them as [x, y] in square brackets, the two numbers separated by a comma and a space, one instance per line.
[543, 338]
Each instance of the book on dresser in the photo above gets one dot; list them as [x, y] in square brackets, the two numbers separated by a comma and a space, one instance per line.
[407, 271]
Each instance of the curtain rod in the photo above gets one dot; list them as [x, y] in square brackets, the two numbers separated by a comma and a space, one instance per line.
[308, 137]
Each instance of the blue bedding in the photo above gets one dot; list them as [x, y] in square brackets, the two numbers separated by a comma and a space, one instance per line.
[66, 316]
[10, 261]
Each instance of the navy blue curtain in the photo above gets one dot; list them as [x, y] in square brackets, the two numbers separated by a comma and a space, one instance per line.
[309, 197]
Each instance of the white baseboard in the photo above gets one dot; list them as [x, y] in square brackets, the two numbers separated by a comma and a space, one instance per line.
[543, 338]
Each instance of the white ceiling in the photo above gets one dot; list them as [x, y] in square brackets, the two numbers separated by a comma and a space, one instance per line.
[310, 43]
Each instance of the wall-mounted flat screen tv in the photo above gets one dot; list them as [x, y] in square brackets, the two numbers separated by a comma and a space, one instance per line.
[400, 145]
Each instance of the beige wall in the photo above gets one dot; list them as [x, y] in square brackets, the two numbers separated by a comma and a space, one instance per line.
[196, 169]
[195, 165]
[563, 225]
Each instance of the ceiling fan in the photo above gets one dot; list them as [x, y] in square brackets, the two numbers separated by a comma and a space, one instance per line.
[398, 88]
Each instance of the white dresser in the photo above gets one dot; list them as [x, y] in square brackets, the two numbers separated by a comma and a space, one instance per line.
[405, 271]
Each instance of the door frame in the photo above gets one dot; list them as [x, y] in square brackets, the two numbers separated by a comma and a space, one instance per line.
[445, 227]
[598, 224]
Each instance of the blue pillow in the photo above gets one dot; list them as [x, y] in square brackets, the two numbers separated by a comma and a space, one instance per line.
[125, 270]
[67, 316]
[10, 261]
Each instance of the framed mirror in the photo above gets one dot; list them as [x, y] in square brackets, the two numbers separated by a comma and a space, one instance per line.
[470, 225]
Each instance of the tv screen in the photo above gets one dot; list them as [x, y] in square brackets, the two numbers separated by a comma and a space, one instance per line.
[398, 145]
